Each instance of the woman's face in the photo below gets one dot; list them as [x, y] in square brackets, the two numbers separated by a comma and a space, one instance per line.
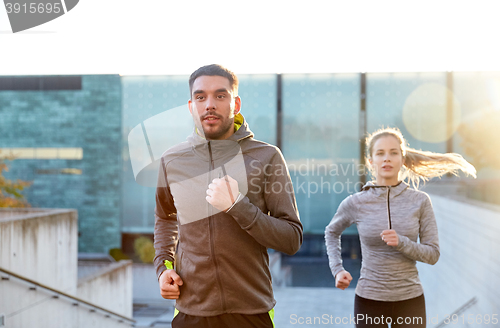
[386, 159]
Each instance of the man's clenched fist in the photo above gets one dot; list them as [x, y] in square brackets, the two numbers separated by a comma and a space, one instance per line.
[169, 284]
[222, 193]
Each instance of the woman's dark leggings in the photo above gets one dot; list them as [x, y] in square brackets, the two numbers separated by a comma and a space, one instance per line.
[378, 314]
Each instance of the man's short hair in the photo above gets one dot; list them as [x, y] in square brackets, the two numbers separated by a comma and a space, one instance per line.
[215, 70]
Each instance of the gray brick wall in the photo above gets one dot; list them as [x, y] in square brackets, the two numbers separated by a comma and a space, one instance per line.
[91, 119]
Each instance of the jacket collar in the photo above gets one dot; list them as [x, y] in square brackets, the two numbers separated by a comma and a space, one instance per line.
[382, 190]
[220, 148]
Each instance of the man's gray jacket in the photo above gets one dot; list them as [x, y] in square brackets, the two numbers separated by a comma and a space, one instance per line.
[222, 257]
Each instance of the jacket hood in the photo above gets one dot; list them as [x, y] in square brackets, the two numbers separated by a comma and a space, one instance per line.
[381, 190]
[242, 131]
[219, 148]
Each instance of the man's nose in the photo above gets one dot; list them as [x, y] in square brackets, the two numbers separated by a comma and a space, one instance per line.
[210, 103]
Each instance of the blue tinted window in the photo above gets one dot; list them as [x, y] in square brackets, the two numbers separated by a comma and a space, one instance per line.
[413, 102]
[320, 142]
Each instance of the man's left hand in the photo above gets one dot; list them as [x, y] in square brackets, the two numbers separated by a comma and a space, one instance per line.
[390, 237]
[222, 193]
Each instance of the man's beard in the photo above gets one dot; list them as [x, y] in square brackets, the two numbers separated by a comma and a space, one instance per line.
[223, 129]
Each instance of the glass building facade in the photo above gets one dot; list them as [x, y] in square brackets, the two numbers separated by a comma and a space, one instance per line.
[320, 142]
[318, 120]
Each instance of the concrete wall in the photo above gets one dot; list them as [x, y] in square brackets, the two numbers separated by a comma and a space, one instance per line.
[38, 309]
[41, 245]
[145, 286]
[469, 266]
[109, 287]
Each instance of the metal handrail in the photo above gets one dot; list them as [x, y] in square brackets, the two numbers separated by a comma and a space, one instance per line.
[461, 309]
[58, 292]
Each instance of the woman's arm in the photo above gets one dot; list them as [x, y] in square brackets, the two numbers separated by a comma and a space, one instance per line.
[427, 250]
[341, 221]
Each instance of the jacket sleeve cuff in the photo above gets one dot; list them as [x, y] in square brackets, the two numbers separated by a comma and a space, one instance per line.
[337, 270]
[244, 212]
[168, 265]
[403, 241]
[237, 200]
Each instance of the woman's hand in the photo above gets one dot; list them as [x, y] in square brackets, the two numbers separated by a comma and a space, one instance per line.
[343, 279]
[390, 237]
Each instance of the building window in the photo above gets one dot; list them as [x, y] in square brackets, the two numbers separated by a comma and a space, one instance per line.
[40, 83]
[42, 153]
[59, 171]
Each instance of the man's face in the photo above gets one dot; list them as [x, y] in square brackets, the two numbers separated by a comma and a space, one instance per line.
[213, 106]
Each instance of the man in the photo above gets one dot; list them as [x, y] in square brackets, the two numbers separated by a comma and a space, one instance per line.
[223, 198]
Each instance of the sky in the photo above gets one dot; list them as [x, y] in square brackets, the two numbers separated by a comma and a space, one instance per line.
[150, 37]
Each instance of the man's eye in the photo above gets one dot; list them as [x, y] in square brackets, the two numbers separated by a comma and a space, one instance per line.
[199, 97]
[221, 96]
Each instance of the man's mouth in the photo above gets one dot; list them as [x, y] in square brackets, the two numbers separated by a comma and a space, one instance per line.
[210, 118]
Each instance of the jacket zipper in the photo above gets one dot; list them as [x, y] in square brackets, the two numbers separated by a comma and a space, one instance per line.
[389, 207]
[212, 233]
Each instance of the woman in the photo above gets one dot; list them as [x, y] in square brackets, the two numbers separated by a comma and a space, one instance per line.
[390, 217]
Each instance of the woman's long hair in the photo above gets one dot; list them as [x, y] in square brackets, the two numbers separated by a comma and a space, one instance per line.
[420, 165]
